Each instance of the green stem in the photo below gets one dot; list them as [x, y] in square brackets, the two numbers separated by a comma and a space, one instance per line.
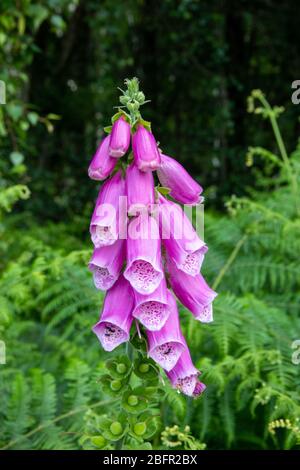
[229, 261]
[282, 149]
[41, 427]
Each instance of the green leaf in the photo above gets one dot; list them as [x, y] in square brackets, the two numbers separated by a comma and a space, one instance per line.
[33, 118]
[177, 402]
[21, 24]
[58, 22]
[15, 111]
[139, 343]
[53, 117]
[24, 125]
[16, 158]
[39, 13]
[163, 190]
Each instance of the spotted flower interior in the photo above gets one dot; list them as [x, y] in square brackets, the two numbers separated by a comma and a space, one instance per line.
[145, 282]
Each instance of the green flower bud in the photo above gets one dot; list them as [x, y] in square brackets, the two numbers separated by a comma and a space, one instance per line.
[144, 368]
[131, 107]
[121, 368]
[140, 428]
[115, 385]
[132, 400]
[116, 428]
[124, 99]
[140, 97]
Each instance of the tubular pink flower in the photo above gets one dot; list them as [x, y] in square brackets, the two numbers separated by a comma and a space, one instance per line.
[139, 189]
[152, 310]
[114, 325]
[193, 292]
[145, 151]
[144, 268]
[106, 264]
[166, 344]
[104, 224]
[102, 164]
[180, 239]
[120, 138]
[184, 376]
[183, 187]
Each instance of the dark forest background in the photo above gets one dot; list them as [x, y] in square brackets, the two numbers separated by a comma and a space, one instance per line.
[197, 61]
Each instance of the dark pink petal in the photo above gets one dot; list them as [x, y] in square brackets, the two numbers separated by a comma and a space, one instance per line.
[183, 187]
[166, 344]
[114, 325]
[120, 138]
[145, 151]
[102, 164]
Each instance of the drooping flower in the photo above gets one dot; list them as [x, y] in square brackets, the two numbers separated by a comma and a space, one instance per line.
[114, 325]
[192, 291]
[144, 267]
[166, 345]
[139, 189]
[184, 375]
[105, 219]
[145, 151]
[152, 310]
[160, 240]
[120, 138]
[106, 264]
[102, 164]
[180, 239]
[183, 187]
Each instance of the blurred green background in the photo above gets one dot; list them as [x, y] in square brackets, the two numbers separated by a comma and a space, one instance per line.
[198, 61]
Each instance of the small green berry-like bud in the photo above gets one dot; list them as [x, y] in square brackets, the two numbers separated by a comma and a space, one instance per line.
[116, 428]
[144, 368]
[115, 385]
[121, 368]
[132, 400]
[140, 428]
[98, 441]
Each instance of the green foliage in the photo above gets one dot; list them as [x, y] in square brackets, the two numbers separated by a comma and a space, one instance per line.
[54, 383]
[246, 354]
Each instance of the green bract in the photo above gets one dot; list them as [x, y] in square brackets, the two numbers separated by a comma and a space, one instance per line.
[133, 401]
[98, 441]
[112, 386]
[145, 369]
[119, 367]
[115, 428]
